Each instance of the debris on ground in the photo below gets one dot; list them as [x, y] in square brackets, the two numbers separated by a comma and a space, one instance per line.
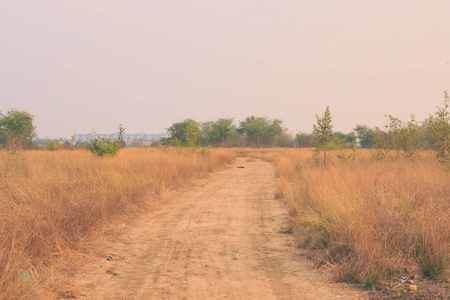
[112, 273]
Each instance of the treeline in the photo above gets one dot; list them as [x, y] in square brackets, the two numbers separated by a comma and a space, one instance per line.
[252, 132]
[397, 136]
[406, 138]
[400, 138]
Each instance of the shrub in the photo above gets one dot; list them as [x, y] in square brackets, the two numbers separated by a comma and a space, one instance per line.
[104, 147]
[52, 146]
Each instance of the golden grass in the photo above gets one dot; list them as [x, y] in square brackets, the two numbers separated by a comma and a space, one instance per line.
[371, 218]
[52, 203]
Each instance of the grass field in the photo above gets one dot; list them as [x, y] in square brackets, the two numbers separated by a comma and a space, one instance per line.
[53, 204]
[371, 219]
[367, 219]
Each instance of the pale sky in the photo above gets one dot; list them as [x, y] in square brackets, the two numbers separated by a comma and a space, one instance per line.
[78, 64]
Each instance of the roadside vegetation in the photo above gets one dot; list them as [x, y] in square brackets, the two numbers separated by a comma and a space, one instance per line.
[54, 206]
[369, 221]
[372, 218]
[372, 215]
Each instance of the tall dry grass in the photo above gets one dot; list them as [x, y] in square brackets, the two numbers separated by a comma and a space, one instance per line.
[371, 218]
[52, 203]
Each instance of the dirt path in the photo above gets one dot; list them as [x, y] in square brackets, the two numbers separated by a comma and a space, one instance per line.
[220, 240]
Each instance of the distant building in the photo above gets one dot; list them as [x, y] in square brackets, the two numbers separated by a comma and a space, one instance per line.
[130, 139]
[84, 138]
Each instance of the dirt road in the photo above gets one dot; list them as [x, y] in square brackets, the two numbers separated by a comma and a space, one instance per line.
[222, 239]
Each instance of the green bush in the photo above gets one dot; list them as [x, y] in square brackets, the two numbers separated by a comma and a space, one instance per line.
[52, 146]
[104, 147]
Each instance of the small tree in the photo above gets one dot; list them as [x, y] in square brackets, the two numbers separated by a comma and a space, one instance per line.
[106, 147]
[120, 138]
[192, 133]
[222, 130]
[323, 133]
[345, 140]
[255, 129]
[186, 133]
[261, 131]
[394, 133]
[380, 142]
[52, 145]
[304, 140]
[17, 129]
[403, 136]
[365, 136]
[439, 128]
[410, 138]
[205, 137]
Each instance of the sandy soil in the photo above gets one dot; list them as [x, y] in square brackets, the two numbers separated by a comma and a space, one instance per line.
[221, 239]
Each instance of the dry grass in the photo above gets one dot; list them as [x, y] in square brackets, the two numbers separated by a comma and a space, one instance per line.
[371, 218]
[51, 204]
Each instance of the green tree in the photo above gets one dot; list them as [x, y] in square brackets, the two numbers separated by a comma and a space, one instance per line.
[345, 140]
[222, 130]
[17, 129]
[261, 131]
[186, 133]
[192, 133]
[254, 129]
[277, 133]
[439, 130]
[365, 136]
[106, 147]
[177, 131]
[426, 136]
[394, 127]
[323, 133]
[285, 140]
[403, 136]
[205, 128]
[411, 137]
[380, 140]
[304, 140]
[52, 145]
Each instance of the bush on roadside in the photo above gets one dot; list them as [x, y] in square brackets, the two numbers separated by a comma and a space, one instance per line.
[370, 219]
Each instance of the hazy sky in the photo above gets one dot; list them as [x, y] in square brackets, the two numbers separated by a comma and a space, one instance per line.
[78, 64]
